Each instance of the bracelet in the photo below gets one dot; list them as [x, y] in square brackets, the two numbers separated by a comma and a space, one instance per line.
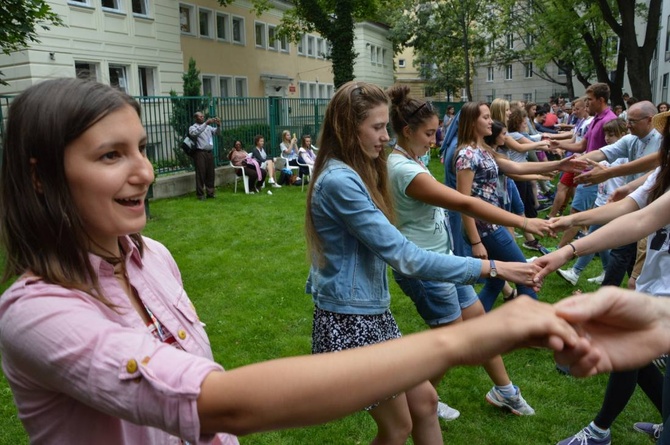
[525, 223]
[478, 242]
[574, 251]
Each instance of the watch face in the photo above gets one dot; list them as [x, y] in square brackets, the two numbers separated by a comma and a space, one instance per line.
[494, 273]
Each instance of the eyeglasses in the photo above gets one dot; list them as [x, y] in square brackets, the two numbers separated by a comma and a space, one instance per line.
[635, 121]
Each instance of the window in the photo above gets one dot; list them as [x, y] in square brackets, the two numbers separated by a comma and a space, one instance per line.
[301, 45]
[222, 26]
[111, 4]
[489, 74]
[667, 36]
[507, 97]
[561, 71]
[529, 69]
[320, 49]
[205, 22]
[272, 37]
[208, 86]
[489, 98]
[118, 78]
[330, 90]
[528, 97]
[664, 88]
[402, 63]
[312, 90]
[322, 91]
[259, 29]
[508, 72]
[85, 70]
[378, 56]
[238, 30]
[383, 61]
[186, 19]
[510, 41]
[147, 78]
[80, 2]
[303, 90]
[310, 46]
[283, 44]
[140, 7]
[240, 87]
[225, 86]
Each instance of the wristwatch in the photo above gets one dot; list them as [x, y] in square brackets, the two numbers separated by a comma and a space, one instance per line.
[493, 272]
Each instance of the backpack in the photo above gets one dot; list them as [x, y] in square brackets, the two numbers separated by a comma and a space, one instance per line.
[189, 144]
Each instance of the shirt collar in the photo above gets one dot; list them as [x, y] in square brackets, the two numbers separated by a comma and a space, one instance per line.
[132, 253]
[653, 134]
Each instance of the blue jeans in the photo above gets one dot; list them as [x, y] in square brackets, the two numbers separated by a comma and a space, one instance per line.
[501, 246]
[514, 203]
[584, 261]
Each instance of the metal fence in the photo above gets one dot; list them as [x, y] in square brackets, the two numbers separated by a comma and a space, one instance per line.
[166, 120]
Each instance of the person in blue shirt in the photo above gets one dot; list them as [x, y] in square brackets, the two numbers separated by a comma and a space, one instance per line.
[350, 241]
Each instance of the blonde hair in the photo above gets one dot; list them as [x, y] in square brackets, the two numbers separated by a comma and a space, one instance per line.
[499, 109]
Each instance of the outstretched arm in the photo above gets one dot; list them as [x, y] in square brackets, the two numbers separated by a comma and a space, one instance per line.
[599, 174]
[308, 390]
[426, 189]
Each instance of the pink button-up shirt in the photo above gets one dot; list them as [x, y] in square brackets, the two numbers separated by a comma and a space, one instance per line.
[82, 372]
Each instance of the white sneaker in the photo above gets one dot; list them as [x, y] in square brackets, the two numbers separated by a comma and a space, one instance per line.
[569, 275]
[597, 280]
[445, 412]
[269, 192]
[275, 185]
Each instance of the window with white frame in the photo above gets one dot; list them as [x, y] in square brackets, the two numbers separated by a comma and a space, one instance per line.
[329, 48]
[240, 86]
[208, 86]
[118, 77]
[508, 72]
[510, 41]
[205, 23]
[222, 25]
[378, 50]
[259, 31]
[529, 69]
[528, 97]
[86, 70]
[301, 45]
[664, 88]
[507, 97]
[383, 61]
[238, 30]
[283, 44]
[225, 86]
[402, 63]
[310, 46]
[186, 19]
[667, 36]
[272, 37]
[489, 98]
[147, 78]
[140, 7]
[489, 74]
[303, 91]
[114, 5]
[80, 2]
[330, 90]
[312, 90]
[373, 54]
[320, 49]
[322, 91]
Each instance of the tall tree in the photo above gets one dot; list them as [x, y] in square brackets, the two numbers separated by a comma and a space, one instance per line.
[451, 33]
[334, 20]
[19, 20]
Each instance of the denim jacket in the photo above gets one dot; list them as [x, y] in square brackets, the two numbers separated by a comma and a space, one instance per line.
[358, 241]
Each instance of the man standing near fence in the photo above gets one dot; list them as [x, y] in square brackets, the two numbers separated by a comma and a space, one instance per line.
[203, 158]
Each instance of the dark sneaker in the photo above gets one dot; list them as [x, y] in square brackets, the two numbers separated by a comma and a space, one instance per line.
[586, 437]
[653, 430]
[533, 245]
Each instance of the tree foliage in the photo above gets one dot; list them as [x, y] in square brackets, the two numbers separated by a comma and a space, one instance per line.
[447, 37]
[19, 23]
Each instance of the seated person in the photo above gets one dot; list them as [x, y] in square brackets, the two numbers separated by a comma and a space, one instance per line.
[265, 162]
[306, 154]
[255, 174]
[289, 148]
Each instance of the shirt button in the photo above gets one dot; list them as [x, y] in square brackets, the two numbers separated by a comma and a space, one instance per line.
[181, 334]
[131, 366]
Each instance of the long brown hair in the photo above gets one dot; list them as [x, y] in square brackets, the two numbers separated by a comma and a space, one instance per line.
[467, 124]
[339, 139]
[40, 226]
[663, 179]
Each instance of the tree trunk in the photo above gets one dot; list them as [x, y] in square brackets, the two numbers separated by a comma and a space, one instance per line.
[341, 36]
[466, 56]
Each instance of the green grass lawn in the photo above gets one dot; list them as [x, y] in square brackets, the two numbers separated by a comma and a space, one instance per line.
[243, 263]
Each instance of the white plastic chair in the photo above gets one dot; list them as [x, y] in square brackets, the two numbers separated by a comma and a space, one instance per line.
[286, 164]
[243, 178]
[306, 177]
